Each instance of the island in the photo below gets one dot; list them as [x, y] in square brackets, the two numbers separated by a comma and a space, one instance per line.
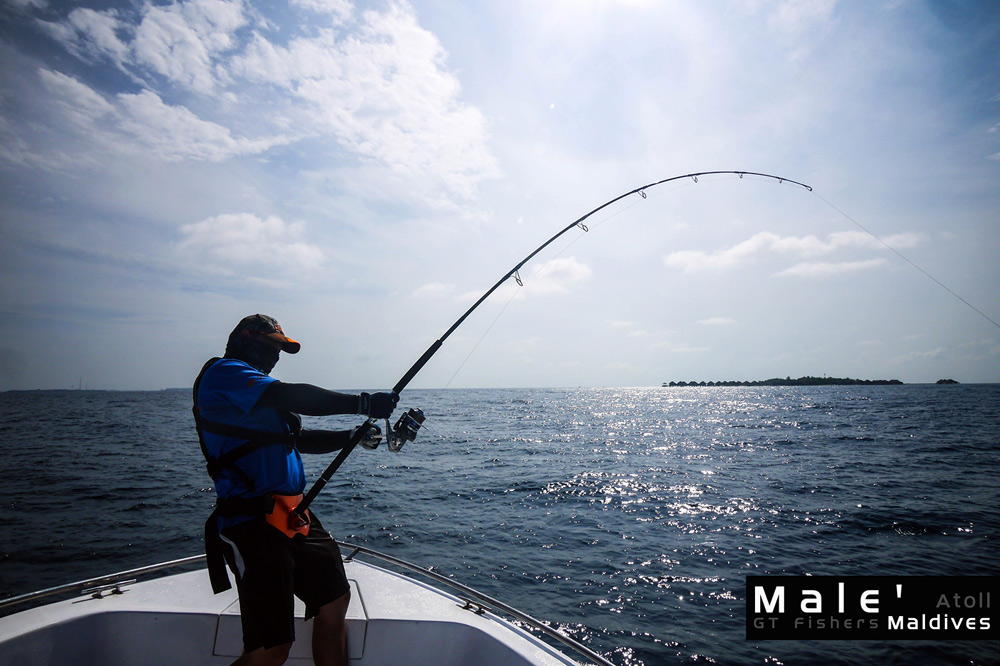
[801, 381]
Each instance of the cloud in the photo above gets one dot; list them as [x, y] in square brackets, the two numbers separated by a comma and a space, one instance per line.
[928, 354]
[383, 94]
[557, 276]
[377, 84]
[632, 330]
[691, 261]
[235, 242]
[144, 123]
[174, 133]
[825, 269]
[181, 40]
[695, 260]
[79, 103]
[434, 290]
[554, 278]
[338, 9]
[90, 34]
[717, 321]
[27, 4]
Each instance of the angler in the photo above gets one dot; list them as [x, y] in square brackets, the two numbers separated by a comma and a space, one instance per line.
[251, 434]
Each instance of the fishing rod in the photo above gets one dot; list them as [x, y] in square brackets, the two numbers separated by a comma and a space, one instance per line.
[409, 423]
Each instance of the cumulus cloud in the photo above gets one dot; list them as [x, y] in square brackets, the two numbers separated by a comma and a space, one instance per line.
[175, 133]
[143, 122]
[765, 242]
[235, 242]
[181, 40]
[377, 84]
[383, 93]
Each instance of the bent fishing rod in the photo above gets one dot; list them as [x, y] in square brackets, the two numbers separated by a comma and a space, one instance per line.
[408, 424]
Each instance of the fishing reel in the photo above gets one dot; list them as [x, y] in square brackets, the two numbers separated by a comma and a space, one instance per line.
[405, 429]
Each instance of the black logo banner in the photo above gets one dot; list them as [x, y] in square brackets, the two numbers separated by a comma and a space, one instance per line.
[872, 607]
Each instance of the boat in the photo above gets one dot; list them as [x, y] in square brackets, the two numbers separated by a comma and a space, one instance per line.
[396, 617]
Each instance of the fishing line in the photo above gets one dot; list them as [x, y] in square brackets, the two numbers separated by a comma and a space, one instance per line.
[481, 338]
[911, 263]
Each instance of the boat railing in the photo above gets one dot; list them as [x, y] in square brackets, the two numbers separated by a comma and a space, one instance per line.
[487, 603]
[108, 584]
[99, 583]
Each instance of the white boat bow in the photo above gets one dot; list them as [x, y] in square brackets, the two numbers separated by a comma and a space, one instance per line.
[393, 620]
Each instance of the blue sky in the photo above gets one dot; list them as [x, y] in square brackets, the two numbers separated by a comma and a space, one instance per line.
[364, 171]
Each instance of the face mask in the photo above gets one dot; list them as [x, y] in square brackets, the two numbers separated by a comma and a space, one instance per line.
[260, 355]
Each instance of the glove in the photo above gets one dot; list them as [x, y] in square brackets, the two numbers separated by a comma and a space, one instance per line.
[372, 438]
[377, 405]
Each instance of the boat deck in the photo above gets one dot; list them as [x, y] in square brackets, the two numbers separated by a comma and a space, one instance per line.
[392, 620]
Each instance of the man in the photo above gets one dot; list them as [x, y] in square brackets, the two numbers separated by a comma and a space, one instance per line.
[251, 434]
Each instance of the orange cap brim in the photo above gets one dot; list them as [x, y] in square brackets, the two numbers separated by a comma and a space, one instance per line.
[287, 344]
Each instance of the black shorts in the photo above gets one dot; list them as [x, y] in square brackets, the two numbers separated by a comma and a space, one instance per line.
[270, 568]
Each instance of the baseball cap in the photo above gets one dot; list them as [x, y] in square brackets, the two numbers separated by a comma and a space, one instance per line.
[268, 327]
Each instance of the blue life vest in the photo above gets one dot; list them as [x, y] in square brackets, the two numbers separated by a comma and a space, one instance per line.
[250, 450]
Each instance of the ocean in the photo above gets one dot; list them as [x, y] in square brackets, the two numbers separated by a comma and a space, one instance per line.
[628, 517]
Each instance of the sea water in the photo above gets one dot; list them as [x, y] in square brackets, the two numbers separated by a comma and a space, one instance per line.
[630, 518]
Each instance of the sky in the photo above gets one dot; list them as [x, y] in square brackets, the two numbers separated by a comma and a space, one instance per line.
[364, 171]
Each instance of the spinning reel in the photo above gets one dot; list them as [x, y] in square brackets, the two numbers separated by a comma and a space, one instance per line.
[405, 429]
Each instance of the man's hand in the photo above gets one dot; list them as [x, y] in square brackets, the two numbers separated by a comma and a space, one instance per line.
[377, 405]
[372, 438]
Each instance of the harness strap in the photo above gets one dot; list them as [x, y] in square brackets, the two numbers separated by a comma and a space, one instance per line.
[215, 555]
[244, 506]
[216, 465]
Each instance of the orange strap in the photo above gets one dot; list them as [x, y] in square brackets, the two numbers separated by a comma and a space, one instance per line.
[283, 516]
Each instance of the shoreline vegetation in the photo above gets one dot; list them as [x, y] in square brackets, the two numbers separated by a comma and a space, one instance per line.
[802, 381]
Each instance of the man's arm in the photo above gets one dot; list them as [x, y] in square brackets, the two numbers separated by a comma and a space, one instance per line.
[315, 401]
[322, 441]
[308, 399]
[327, 441]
